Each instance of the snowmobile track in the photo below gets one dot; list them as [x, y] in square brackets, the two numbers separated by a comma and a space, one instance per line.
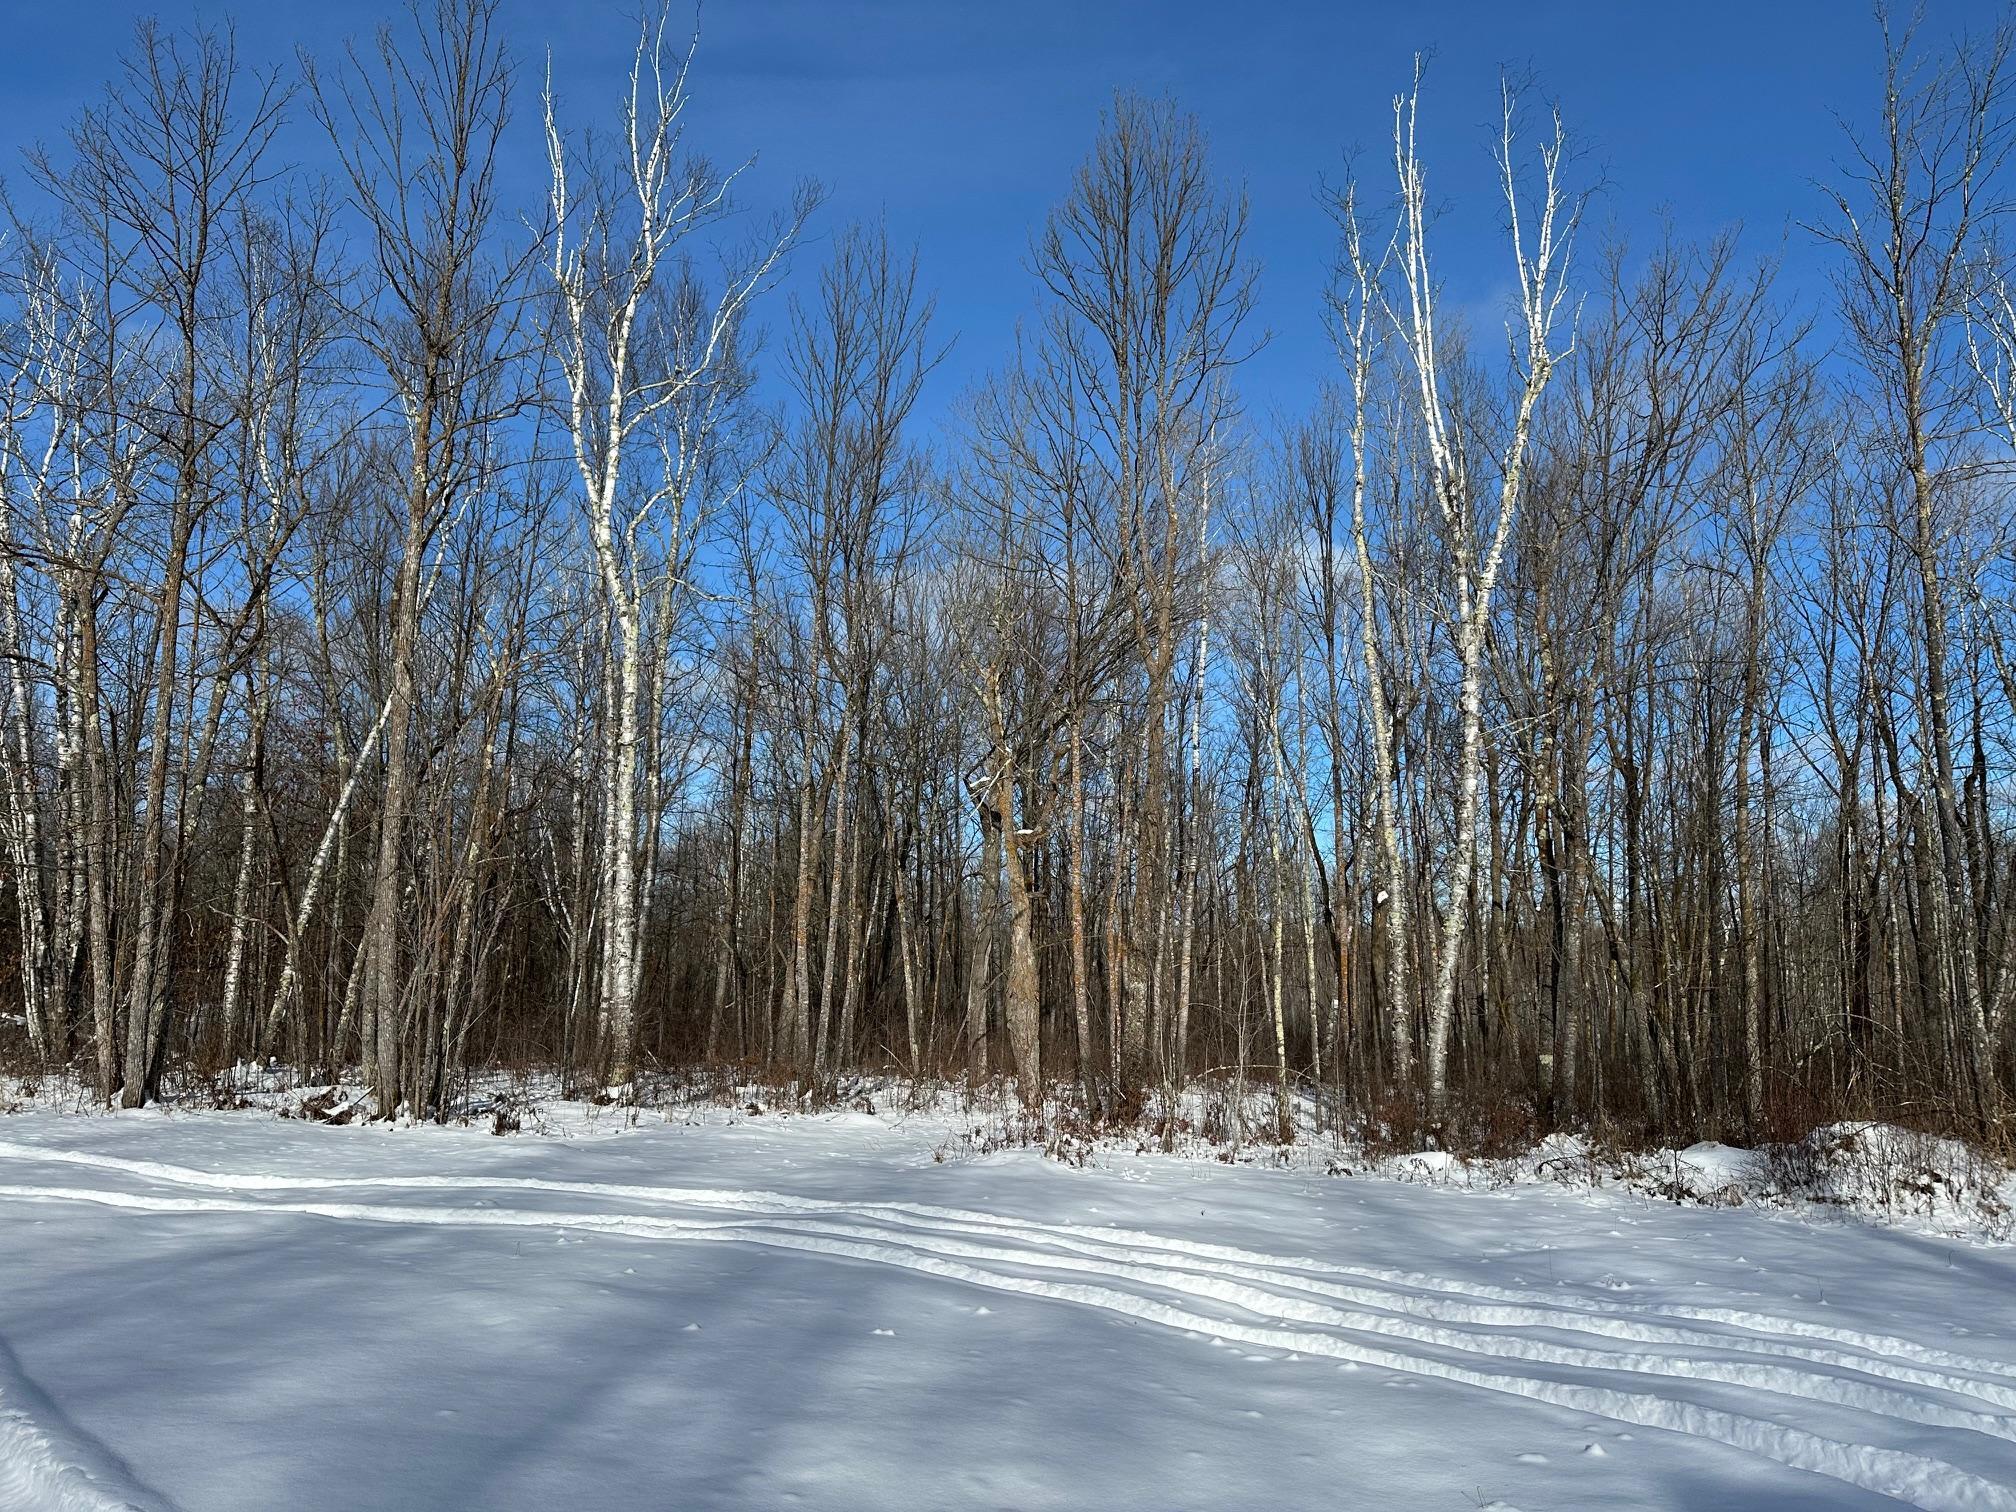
[1651, 1366]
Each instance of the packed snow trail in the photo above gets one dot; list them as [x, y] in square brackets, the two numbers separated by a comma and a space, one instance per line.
[1256, 1285]
[1399, 1291]
[1459, 1333]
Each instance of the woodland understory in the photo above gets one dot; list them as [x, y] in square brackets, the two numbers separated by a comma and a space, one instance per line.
[444, 630]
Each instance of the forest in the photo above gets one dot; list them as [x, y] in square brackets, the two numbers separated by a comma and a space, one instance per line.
[448, 630]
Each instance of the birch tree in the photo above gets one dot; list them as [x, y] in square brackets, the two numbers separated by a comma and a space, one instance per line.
[1541, 230]
[646, 359]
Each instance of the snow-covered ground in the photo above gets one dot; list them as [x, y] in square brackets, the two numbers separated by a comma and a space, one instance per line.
[224, 1311]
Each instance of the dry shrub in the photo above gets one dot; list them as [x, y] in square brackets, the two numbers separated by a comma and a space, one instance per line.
[1011, 1127]
[1072, 1138]
[17, 1055]
[1126, 1106]
[1396, 1124]
[1489, 1128]
[1217, 1126]
[1793, 1109]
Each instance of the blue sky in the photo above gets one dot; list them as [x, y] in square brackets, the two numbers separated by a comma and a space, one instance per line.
[961, 121]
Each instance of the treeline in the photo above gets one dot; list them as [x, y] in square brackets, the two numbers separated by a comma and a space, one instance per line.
[441, 632]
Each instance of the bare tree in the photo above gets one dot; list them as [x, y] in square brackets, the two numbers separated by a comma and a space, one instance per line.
[1908, 219]
[1541, 234]
[418, 124]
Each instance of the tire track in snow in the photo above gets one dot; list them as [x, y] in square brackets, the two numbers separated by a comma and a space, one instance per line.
[1260, 1290]
[1441, 1300]
[1403, 1294]
[1919, 1479]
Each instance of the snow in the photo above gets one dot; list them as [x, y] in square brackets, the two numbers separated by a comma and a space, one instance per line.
[206, 1312]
